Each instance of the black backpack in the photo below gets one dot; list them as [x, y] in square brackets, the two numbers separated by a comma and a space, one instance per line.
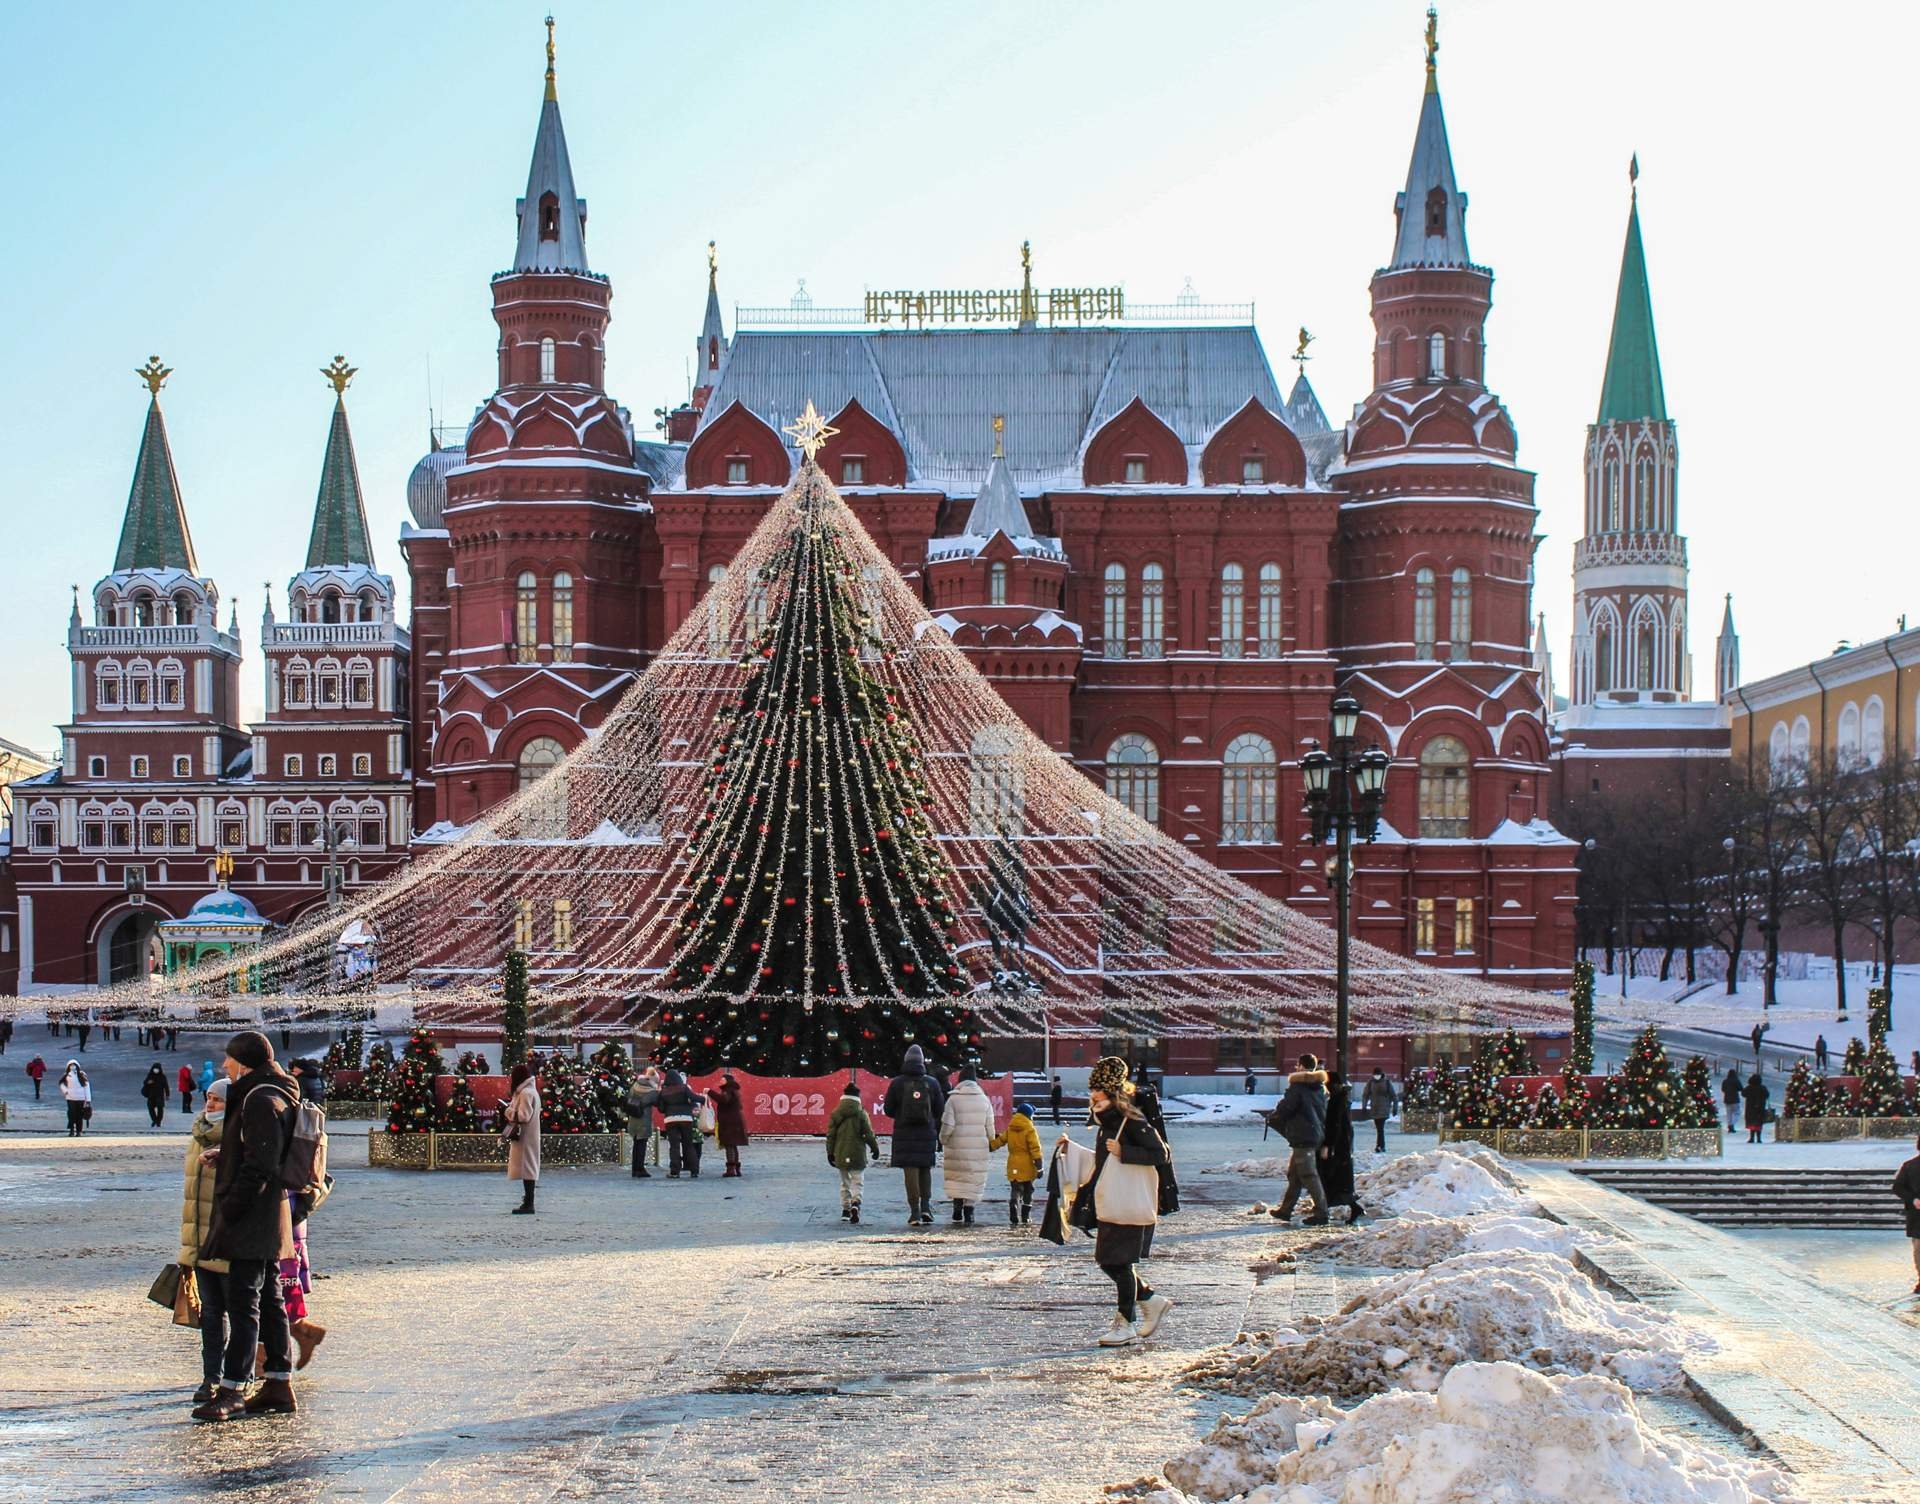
[916, 1104]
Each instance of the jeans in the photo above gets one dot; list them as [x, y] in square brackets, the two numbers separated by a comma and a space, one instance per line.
[76, 1119]
[640, 1154]
[919, 1184]
[1019, 1200]
[255, 1315]
[1128, 1288]
[1304, 1172]
[850, 1188]
[683, 1148]
[213, 1323]
[1380, 1134]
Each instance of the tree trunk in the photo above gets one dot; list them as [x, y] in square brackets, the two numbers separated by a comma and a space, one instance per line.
[1770, 975]
[1691, 978]
[1840, 965]
[1666, 963]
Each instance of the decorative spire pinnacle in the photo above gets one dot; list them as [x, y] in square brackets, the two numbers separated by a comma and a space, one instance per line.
[552, 93]
[553, 219]
[810, 432]
[999, 436]
[1633, 175]
[154, 374]
[713, 333]
[1029, 306]
[713, 264]
[1632, 389]
[1431, 213]
[339, 374]
[1433, 49]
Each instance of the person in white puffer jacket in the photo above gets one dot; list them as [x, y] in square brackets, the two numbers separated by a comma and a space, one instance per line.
[966, 1138]
[79, 1094]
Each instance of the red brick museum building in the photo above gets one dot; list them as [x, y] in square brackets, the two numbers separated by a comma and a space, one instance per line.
[1167, 565]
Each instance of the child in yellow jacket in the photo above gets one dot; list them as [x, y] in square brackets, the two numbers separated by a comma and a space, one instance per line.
[1022, 1141]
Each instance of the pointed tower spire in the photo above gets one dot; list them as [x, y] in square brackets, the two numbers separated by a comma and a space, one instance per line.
[553, 219]
[1431, 211]
[1726, 655]
[154, 534]
[712, 347]
[1632, 389]
[340, 534]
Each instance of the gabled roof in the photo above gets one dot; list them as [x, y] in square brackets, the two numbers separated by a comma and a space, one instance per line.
[551, 171]
[1430, 172]
[1632, 389]
[997, 509]
[1057, 386]
[154, 534]
[340, 534]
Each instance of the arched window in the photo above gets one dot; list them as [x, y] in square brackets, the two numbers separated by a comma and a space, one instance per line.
[143, 610]
[185, 608]
[719, 629]
[1800, 742]
[1460, 614]
[1778, 753]
[1644, 516]
[1444, 803]
[1233, 611]
[1271, 606]
[369, 605]
[546, 360]
[296, 684]
[106, 685]
[330, 605]
[549, 216]
[1603, 671]
[563, 617]
[1153, 611]
[1133, 776]
[1678, 681]
[173, 684]
[545, 812]
[995, 792]
[1847, 741]
[526, 619]
[1113, 625]
[1247, 796]
[1873, 732]
[997, 583]
[1646, 634]
[1423, 613]
[1437, 355]
[1613, 494]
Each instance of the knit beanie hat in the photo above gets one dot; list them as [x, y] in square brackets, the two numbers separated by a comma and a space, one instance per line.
[915, 1059]
[851, 1089]
[251, 1048]
[1025, 1107]
[1109, 1075]
[970, 1072]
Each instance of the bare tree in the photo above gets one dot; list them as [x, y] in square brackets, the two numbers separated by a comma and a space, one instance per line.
[1733, 898]
[1825, 819]
[1889, 806]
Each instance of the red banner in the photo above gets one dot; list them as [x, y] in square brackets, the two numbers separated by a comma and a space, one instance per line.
[802, 1104]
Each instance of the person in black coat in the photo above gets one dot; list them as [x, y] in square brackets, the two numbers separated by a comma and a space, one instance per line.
[154, 1089]
[1301, 1118]
[915, 1101]
[1730, 1090]
[1121, 1131]
[1054, 1095]
[253, 1229]
[1336, 1149]
[1755, 1094]
[1146, 1102]
[1906, 1185]
[679, 1107]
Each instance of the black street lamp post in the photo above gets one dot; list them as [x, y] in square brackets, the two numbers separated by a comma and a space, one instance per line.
[1344, 789]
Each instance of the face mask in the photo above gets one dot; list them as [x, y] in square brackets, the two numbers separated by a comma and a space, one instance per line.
[215, 1117]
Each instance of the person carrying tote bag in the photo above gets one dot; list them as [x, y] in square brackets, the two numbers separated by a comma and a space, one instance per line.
[1117, 1197]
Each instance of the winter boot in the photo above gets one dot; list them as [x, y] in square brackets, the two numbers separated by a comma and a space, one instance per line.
[308, 1335]
[959, 1211]
[1120, 1333]
[1152, 1311]
[969, 1217]
[226, 1404]
[274, 1397]
[1026, 1211]
[207, 1390]
[926, 1212]
[525, 1208]
[1013, 1212]
[853, 1213]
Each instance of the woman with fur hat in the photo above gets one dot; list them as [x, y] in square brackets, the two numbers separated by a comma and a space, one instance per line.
[1118, 1197]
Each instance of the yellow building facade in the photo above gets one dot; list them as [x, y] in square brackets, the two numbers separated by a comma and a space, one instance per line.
[1860, 706]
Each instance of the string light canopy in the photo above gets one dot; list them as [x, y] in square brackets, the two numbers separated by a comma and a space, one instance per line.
[810, 766]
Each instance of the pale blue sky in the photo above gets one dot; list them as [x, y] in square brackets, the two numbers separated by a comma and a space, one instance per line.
[247, 189]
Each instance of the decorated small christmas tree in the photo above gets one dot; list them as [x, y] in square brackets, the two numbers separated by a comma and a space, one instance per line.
[1477, 1104]
[1582, 1000]
[1654, 1095]
[461, 1114]
[1855, 1060]
[380, 1079]
[413, 1108]
[1419, 1093]
[1508, 1055]
[381, 1054]
[1511, 1107]
[1576, 1098]
[513, 1010]
[1696, 1083]
[1881, 1093]
[612, 1073]
[345, 1053]
[1547, 1111]
[1613, 1105]
[1806, 1095]
[567, 1100]
[1879, 1014]
[1840, 1099]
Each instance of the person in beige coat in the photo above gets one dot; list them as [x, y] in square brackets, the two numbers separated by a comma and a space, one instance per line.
[520, 1126]
[966, 1137]
[196, 1220]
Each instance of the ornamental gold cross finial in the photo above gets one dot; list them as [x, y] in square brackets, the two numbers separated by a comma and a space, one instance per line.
[1433, 43]
[551, 92]
[713, 261]
[154, 374]
[339, 374]
[810, 432]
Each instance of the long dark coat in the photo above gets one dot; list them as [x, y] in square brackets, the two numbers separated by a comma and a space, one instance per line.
[729, 1115]
[251, 1219]
[914, 1147]
[1755, 1094]
[1906, 1185]
[154, 1088]
[1336, 1168]
[1113, 1242]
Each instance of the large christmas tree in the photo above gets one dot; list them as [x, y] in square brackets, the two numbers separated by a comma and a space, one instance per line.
[817, 932]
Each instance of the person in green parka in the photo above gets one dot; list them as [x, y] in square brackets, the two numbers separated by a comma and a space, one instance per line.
[850, 1139]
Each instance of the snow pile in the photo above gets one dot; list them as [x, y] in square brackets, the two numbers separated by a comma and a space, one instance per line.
[1202, 1109]
[1446, 1184]
[1257, 1167]
[1418, 1240]
[1493, 1433]
[1407, 1332]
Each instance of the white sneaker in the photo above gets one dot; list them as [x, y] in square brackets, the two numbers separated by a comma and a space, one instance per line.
[1152, 1311]
[1120, 1334]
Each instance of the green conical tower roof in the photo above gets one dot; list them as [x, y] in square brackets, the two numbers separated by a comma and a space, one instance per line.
[1632, 390]
[339, 515]
[154, 535]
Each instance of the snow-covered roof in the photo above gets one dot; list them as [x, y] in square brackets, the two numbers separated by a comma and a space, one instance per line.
[997, 510]
[1533, 833]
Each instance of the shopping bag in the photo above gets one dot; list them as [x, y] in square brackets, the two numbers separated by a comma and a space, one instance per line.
[186, 1300]
[166, 1287]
